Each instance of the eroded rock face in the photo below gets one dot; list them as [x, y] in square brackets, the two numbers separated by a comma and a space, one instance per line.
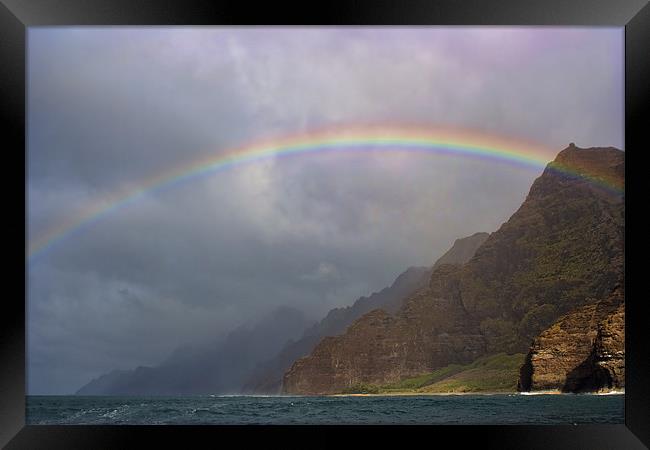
[561, 250]
[582, 352]
[428, 332]
[609, 351]
[267, 378]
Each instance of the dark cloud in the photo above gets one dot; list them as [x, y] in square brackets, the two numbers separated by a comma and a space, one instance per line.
[111, 107]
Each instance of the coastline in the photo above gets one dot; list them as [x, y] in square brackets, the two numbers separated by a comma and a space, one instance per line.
[426, 394]
[420, 394]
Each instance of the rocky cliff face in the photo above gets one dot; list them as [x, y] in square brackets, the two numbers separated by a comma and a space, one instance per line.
[268, 376]
[429, 331]
[609, 353]
[561, 250]
[583, 351]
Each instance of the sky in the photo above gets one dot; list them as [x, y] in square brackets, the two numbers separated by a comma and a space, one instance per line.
[110, 107]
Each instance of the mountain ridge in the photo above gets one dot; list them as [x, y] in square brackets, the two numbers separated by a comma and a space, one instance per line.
[268, 378]
[562, 249]
[215, 366]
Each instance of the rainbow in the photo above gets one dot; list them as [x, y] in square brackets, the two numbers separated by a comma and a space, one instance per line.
[383, 138]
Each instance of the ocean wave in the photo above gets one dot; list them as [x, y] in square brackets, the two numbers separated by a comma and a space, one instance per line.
[549, 392]
[115, 413]
[613, 392]
[555, 392]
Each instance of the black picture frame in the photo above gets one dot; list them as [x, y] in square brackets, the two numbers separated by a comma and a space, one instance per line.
[17, 15]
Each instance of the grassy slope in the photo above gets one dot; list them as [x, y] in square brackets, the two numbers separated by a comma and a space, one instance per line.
[495, 373]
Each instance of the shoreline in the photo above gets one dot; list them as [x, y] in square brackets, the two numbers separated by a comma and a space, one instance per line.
[425, 394]
[420, 394]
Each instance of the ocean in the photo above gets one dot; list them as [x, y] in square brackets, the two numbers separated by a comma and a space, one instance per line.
[276, 410]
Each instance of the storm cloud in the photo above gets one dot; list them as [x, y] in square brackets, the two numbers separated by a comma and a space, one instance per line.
[110, 107]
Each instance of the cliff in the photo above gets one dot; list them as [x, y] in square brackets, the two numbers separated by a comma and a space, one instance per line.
[267, 378]
[583, 351]
[427, 332]
[562, 249]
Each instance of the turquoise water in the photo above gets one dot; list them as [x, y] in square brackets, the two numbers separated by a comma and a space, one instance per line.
[222, 410]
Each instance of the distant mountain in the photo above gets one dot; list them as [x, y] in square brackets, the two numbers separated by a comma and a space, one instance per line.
[462, 250]
[214, 367]
[267, 378]
[561, 250]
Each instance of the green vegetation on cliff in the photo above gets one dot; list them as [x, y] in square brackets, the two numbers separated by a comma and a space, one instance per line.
[427, 379]
[497, 373]
[494, 373]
